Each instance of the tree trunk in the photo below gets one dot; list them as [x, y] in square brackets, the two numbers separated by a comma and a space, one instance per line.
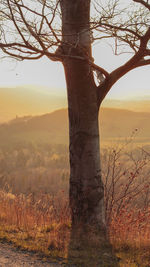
[86, 187]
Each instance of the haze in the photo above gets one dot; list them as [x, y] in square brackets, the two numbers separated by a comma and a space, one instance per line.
[38, 87]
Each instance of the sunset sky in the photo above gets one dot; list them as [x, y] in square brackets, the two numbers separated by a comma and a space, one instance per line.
[50, 74]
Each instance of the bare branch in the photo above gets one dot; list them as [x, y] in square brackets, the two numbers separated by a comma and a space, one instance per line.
[28, 30]
[143, 3]
[126, 26]
[21, 57]
[29, 27]
[143, 62]
[144, 41]
[102, 70]
[33, 30]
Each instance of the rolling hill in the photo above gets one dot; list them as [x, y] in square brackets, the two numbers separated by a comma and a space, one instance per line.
[136, 104]
[53, 127]
[36, 100]
[22, 101]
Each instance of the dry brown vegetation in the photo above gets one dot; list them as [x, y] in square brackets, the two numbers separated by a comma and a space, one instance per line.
[34, 211]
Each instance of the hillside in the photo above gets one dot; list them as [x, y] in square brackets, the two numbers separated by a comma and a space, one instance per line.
[28, 100]
[53, 127]
[37, 100]
[138, 105]
[119, 123]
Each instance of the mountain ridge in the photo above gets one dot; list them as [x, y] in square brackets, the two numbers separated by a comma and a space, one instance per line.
[32, 100]
[53, 127]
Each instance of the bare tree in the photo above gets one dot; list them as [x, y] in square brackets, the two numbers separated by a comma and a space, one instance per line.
[64, 31]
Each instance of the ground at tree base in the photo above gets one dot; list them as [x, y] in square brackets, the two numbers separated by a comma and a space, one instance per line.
[89, 248]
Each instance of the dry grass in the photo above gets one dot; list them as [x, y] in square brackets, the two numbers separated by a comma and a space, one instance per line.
[130, 236]
[42, 224]
[131, 228]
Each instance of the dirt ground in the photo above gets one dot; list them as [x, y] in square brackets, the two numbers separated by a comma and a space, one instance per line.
[12, 257]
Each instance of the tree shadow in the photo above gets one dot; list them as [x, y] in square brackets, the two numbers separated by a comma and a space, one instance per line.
[89, 247]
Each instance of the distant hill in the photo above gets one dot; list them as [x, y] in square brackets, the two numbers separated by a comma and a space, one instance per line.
[120, 123]
[29, 100]
[53, 127]
[138, 105]
[36, 100]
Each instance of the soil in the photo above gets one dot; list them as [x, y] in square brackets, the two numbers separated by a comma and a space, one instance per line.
[12, 257]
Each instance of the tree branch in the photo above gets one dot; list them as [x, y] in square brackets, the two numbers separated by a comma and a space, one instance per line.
[38, 36]
[40, 53]
[136, 61]
[144, 40]
[121, 28]
[143, 62]
[31, 41]
[100, 69]
[20, 57]
[14, 21]
[29, 27]
[143, 3]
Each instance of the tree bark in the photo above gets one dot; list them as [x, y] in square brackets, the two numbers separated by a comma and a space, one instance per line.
[86, 186]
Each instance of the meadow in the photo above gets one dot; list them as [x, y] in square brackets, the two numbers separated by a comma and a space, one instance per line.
[34, 209]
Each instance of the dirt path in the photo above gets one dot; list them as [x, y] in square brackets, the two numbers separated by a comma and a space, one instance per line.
[11, 257]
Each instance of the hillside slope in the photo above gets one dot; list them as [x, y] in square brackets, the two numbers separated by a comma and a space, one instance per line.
[23, 101]
[53, 127]
[36, 100]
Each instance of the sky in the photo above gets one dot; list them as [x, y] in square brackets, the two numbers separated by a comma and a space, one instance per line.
[50, 74]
